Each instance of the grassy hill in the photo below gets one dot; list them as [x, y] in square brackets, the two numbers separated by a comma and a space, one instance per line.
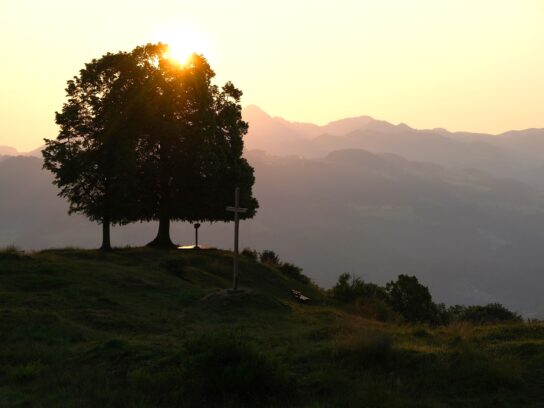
[141, 328]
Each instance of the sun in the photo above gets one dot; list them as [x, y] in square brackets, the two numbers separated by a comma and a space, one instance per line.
[183, 42]
[180, 53]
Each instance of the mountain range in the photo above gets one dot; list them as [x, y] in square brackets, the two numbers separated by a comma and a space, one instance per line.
[514, 154]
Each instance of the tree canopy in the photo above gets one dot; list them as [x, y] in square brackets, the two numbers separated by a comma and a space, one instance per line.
[93, 157]
[190, 143]
[411, 299]
[143, 137]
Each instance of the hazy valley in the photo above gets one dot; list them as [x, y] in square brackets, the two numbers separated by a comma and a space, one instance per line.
[463, 212]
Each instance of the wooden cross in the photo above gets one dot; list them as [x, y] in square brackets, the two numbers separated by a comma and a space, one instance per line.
[197, 226]
[237, 210]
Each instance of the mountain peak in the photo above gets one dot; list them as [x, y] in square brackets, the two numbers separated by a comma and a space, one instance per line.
[8, 151]
[254, 111]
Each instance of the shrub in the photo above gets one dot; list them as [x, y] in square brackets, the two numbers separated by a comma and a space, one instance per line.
[222, 368]
[349, 288]
[288, 269]
[176, 266]
[294, 272]
[411, 299]
[11, 252]
[480, 370]
[441, 314]
[376, 309]
[269, 256]
[491, 313]
[25, 372]
[161, 382]
[364, 348]
[250, 253]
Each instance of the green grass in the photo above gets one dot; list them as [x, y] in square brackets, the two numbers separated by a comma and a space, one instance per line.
[144, 328]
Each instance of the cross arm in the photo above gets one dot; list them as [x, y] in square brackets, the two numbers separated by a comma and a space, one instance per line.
[237, 210]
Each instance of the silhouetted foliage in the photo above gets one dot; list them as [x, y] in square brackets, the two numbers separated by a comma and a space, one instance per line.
[93, 159]
[365, 348]
[369, 299]
[11, 252]
[145, 138]
[176, 267]
[491, 313]
[411, 299]
[294, 272]
[269, 256]
[441, 314]
[349, 288]
[250, 253]
[189, 143]
[222, 368]
[288, 269]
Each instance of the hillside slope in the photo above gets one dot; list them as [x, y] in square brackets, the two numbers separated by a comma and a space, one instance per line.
[141, 328]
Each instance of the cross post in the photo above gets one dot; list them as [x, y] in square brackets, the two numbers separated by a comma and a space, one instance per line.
[197, 226]
[237, 210]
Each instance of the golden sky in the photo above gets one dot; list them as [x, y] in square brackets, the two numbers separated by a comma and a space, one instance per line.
[474, 65]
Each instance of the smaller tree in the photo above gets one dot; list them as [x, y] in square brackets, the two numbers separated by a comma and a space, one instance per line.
[92, 159]
[411, 299]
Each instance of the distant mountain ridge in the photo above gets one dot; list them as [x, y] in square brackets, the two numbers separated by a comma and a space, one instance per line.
[515, 154]
[344, 126]
[278, 136]
[8, 151]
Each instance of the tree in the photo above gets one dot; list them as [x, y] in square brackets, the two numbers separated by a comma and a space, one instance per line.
[189, 143]
[411, 299]
[93, 159]
[145, 138]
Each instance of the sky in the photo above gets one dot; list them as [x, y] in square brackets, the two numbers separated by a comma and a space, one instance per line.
[457, 64]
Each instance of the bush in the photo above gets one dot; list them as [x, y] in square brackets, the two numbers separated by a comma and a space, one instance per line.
[491, 313]
[11, 252]
[24, 373]
[176, 266]
[290, 270]
[365, 348]
[411, 299]
[250, 254]
[376, 309]
[222, 368]
[349, 288]
[270, 257]
[294, 272]
[475, 369]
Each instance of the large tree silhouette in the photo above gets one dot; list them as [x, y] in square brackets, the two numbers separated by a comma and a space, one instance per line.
[93, 157]
[143, 137]
[190, 143]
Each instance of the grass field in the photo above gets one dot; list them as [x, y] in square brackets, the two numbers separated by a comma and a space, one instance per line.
[145, 328]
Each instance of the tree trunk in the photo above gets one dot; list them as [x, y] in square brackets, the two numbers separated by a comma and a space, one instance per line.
[162, 240]
[106, 243]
